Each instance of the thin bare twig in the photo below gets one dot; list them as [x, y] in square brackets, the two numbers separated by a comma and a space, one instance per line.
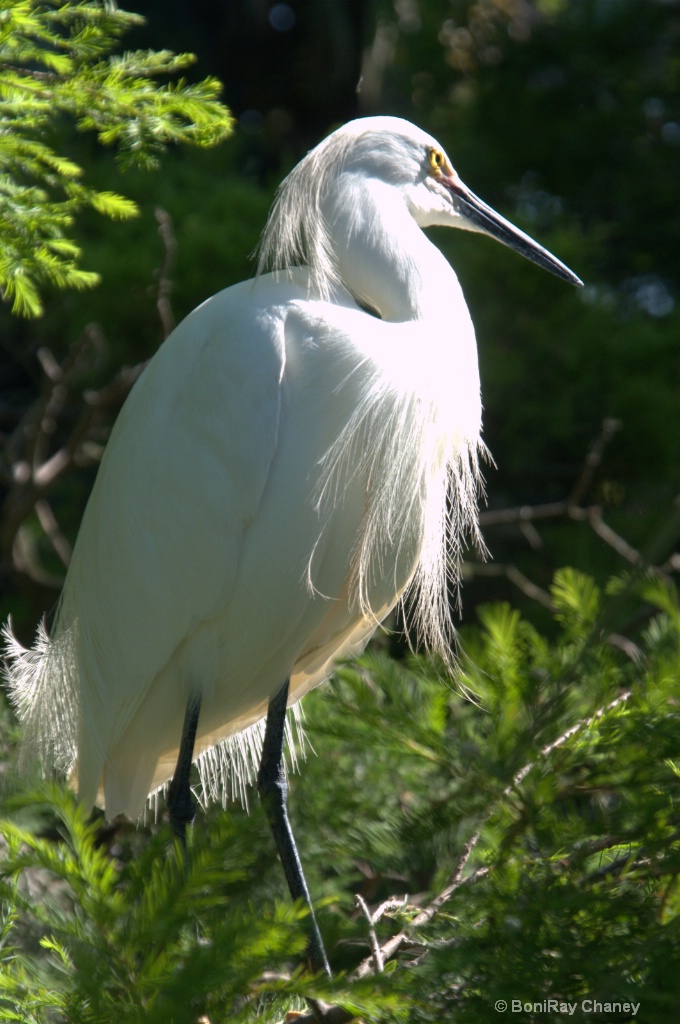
[48, 521]
[403, 938]
[593, 460]
[583, 724]
[336, 1014]
[378, 962]
[526, 516]
[30, 470]
[387, 906]
[164, 285]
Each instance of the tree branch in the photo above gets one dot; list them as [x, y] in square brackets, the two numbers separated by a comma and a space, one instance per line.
[163, 274]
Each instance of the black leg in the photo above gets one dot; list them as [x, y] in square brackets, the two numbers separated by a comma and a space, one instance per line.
[181, 804]
[273, 790]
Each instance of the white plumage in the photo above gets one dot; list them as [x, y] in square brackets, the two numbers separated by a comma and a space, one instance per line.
[277, 479]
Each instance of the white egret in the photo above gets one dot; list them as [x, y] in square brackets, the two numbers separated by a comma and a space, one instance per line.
[275, 483]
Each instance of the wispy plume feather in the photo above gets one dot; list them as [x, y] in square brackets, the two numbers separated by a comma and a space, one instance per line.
[296, 232]
[423, 477]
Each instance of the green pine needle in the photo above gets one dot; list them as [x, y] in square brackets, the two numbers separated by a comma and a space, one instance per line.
[56, 59]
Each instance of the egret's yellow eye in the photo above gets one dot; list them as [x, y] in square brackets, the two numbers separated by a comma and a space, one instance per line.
[436, 159]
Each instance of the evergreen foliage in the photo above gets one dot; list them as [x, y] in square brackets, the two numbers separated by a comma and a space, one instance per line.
[55, 62]
[522, 845]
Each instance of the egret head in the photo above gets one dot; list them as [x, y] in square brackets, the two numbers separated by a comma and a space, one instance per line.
[453, 203]
[385, 151]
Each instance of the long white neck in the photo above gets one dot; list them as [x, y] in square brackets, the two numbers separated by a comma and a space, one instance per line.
[383, 258]
[389, 266]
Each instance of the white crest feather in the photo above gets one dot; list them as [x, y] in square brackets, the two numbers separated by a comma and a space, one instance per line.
[296, 234]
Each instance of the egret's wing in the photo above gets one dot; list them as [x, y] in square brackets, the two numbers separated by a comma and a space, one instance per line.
[181, 479]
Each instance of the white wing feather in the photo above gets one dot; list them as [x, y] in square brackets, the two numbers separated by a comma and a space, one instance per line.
[158, 548]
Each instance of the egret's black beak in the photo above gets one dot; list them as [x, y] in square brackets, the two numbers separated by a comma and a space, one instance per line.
[482, 218]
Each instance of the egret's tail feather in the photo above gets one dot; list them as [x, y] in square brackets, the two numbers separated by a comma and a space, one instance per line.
[40, 687]
[41, 691]
[227, 769]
